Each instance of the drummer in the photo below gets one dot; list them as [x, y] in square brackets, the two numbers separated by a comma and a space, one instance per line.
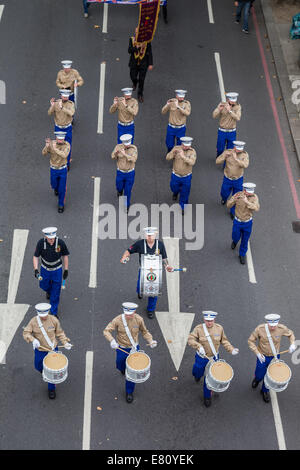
[150, 245]
[127, 327]
[264, 341]
[44, 331]
[206, 339]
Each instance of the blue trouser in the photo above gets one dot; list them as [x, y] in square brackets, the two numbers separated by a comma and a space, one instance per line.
[51, 283]
[261, 369]
[58, 181]
[241, 230]
[121, 365]
[125, 130]
[124, 182]
[225, 140]
[182, 185]
[229, 186]
[151, 300]
[68, 137]
[38, 363]
[239, 10]
[172, 134]
[198, 372]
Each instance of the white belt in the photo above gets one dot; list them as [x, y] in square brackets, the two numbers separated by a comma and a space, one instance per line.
[181, 176]
[51, 269]
[233, 179]
[176, 127]
[64, 127]
[226, 130]
[239, 220]
[60, 168]
[123, 171]
[126, 123]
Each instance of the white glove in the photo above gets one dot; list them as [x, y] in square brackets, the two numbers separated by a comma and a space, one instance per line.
[36, 344]
[201, 351]
[261, 358]
[153, 344]
[292, 348]
[114, 344]
[235, 351]
[67, 346]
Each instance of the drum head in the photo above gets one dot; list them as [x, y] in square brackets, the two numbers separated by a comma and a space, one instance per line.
[279, 372]
[138, 361]
[55, 361]
[221, 371]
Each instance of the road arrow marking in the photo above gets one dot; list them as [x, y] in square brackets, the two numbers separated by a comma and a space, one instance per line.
[12, 314]
[175, 325]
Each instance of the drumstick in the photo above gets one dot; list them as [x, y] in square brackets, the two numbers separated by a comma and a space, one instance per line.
[51, 350]
[123, 351]
[283, 352]
[63, 286]
[180, 269]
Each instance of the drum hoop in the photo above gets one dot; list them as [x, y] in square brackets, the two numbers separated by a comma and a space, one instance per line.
[217, 380]
[274, 380]
[139, 370]
[55, 370]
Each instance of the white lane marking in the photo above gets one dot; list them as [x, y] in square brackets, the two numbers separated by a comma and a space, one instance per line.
[277, 420]
[220, 76]
[101, 98]
[210, 11]
[86, 434]
[12, 314]
[105, 16]
[251, 272]
[95, 230]
[1, 10]
[175, 325]
[2, 92]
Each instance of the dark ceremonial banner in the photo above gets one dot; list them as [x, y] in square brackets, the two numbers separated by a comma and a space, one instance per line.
[126, 2]
[147, 21]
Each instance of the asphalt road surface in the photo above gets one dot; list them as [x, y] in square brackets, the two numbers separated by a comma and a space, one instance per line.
[168, 411]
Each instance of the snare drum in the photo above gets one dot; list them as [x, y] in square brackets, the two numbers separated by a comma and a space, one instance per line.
[138, 367]
[55, 368]
[219, 376]
[151, 275]
[277, 376]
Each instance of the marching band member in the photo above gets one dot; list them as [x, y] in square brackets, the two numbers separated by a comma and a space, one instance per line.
[68, 78]
[152, 246]
[59, 151]
[206, 339]
[126, 155]
[264, 341]
[127, 108]
[63, 111]
[178, 109]
[140, 62]
[52, 251]
[44, 331]
[127, 326]
[245, 202]
[184, 158]
[228, 113]
[235, 161]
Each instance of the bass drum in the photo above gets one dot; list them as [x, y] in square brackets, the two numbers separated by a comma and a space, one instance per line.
[150, 275]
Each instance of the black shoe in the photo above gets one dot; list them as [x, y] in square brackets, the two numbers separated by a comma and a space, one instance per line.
[233, 245]
[133, 86]
[174, 197]
[47, 295]
[182, 212]
[223, 202]
[129, 397]
[242, 259]
[231, 216]
[141, 99]
[150, 314]
[122, 372]
[51, 394]
[119, 193]
[197, 379]
[207, 402]
[245, 31]
[69, 166]
[140, 296]
[55, 192]
[128, 209]
[254, 383]
[265, 396]
[237, 21]
[60, 209]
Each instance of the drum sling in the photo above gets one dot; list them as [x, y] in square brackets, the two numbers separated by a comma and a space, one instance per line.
[49, 342]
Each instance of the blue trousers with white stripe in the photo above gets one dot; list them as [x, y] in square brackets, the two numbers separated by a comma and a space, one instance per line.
[51, 283]
[231, 186]
[261, 369]
[225, 141]
[121, 365]
[173, 134]
[125, 130]
[241, 231]
[38, 363]
[181, 185]
[198, 372]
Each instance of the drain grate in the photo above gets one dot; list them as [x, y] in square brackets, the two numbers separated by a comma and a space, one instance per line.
[296, 226]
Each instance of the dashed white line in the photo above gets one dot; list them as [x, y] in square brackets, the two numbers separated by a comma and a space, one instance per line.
[220, 76]
[1, 10]
[101, 98]
[105, 16]
[95, 230]
[277, 420]
[251, 272]
[210, 11]
[86, 434]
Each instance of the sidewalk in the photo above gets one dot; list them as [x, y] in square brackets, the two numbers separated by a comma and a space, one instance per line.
[286, 54]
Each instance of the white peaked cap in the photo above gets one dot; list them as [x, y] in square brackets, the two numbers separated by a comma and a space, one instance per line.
[187, 141]
[126, 139]
[272, 319]
[150, 230]
[129, 307]
[42, 309]
[249, 187]
[50, 232]
[239, 145]
[232, 96]
[65, 92]
[209, 315]
[181, 93]
[60, 135]
[127, 91]
[66, 64]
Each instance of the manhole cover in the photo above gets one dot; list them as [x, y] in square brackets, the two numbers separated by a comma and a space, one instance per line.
[296, 226]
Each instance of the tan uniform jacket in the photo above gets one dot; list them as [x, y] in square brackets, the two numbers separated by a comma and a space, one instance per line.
[177, 117]
[66, 80]
[182, 165]
[258, 341]
[135, 324]
[125, 163]
[58, 155]
[244, 210]
[62, 116]
[234, 169]
[126, 113]
[53, 329]
[197, 338]
[228, 119]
